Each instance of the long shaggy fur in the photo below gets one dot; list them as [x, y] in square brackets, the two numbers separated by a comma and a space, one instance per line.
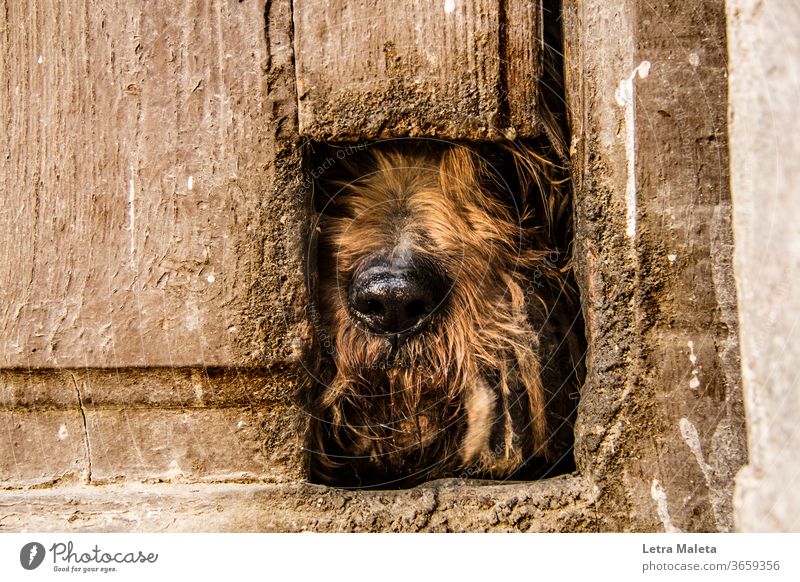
[489, 387]
[486, 388]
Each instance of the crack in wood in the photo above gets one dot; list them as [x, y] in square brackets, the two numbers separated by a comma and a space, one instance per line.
[85, 429]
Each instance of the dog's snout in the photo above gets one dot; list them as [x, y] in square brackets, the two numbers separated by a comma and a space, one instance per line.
[395, 300]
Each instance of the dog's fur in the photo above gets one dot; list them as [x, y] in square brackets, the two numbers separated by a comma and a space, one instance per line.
[488, 388]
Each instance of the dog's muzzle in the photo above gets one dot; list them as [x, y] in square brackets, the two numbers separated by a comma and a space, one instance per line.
[398, 299]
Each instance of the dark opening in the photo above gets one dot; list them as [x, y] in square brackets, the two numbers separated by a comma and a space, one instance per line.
[449, 339]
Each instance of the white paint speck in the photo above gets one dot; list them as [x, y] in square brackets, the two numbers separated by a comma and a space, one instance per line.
[63, 432]
[692, 439]
[174, 470]
[662, 508]
[190, 182]
[240, 424]
[449, 6]
[192, 317]
[694, 381]
[625, 98]
[692, 355]
[672, 258]
[40, 60]
[694, 59]
[197, 383]
[211, 278]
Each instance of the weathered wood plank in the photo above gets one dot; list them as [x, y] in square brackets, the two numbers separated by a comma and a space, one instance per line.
[146, 388]
[136, 156]
[521, 64]
[661, 422]
[561, 504]
[42, 447]
[148, 424]
[369, 69]
[194, 445]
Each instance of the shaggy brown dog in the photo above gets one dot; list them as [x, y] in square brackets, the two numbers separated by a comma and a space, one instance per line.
[449, 333]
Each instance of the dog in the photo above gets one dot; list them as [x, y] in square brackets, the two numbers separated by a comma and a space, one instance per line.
[449, 340]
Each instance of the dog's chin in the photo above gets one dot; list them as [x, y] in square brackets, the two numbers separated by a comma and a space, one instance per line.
[406, 350]
[402, 371]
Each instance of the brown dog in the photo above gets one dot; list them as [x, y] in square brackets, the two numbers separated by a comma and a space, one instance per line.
[448, 327]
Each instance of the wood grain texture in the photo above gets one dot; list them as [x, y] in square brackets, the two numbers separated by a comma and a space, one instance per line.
[189, 424]
[369, 69]
[137, 226]
[42, 447]
[448, 505]
[662, 425]
[193, 445]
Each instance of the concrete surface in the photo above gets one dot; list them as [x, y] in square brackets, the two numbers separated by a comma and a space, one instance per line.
[764, 51]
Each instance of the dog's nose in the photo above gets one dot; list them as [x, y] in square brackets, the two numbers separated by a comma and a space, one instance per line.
[395, 300]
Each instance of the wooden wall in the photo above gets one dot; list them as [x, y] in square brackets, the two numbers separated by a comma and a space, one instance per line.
[153, 241]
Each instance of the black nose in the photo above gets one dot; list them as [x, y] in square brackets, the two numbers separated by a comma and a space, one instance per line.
[390, 299]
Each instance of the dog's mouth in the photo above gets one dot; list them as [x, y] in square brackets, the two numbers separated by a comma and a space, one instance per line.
[395, 342]
[395, 352]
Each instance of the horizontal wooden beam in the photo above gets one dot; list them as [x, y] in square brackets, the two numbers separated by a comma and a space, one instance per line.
[462, 69]
[562, 504]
